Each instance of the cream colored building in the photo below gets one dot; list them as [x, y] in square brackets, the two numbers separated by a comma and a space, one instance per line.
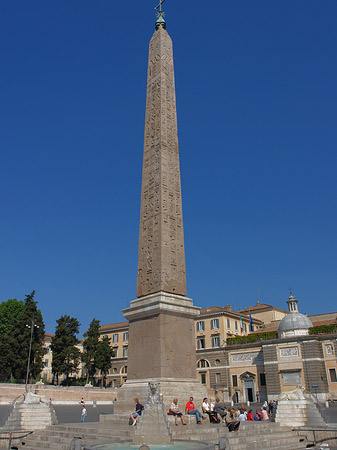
[241, 371]
[47, 374]
[254, 371]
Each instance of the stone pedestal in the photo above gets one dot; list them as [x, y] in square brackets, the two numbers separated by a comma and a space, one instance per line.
[162, 349]
[169, 389]
[161, 337]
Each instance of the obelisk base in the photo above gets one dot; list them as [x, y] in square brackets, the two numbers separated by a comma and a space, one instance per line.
[162, 348]
[169, 389]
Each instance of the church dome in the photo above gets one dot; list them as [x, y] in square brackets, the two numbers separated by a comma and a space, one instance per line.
[294, 323]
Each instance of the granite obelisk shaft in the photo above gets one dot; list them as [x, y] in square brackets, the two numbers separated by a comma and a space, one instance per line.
[161, 255]
[161, 320]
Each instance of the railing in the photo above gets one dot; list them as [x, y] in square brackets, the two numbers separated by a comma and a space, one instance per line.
[13, 435]
[318, 429]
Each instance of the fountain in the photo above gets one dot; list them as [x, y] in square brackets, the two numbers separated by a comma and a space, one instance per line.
[152, 431]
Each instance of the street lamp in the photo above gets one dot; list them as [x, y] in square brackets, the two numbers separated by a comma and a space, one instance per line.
[31, 326]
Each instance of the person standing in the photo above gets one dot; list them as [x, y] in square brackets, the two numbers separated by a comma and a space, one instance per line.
[83, 414]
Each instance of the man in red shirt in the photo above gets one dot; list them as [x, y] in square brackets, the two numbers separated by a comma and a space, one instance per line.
[190, 409]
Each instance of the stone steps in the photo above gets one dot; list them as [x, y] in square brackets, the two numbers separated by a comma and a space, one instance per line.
[251, 435]
[63, 437]
[299, 413]
[30, 417]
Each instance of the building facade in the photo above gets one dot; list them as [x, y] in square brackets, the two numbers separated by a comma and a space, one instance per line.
[241, 361]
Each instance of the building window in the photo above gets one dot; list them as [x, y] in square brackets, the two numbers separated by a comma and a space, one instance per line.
[216, 341]
[203, 363]
[124, 369]
[329, 349]
[125, 352]
[115, 349]
[228, 323]
[217, 362]
[263, 379]
[215, 324]
[333, 377]
[218, 378]
[104, 336]
[201, 343]
[46, 362]
[125, 336]
[115, 337]
[244, 327]
[235, 380]
[201, 325]
[236, 325]
[291, 378]
[203, 377]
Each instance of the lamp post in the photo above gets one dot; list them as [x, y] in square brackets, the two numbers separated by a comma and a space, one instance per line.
[31, 326]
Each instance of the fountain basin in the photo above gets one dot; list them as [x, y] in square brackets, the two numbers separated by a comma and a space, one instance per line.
[177, 444]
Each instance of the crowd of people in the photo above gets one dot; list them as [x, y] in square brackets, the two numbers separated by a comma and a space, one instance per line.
[215, 410]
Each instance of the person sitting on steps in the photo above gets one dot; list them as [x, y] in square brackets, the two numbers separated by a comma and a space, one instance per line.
[231, 421]
[138, 411]
[190, 409]
[213, 417]
[220, 408]
[175, 411]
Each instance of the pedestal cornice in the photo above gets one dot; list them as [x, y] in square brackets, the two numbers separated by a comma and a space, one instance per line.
[161, 303]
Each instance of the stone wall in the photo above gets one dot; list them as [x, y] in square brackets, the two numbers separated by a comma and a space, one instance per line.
[314, 367]
[58, 394]
[271, 370]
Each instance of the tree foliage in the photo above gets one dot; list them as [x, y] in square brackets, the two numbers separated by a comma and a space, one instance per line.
[323, 329]
[251, 338]
[90, 345]
[27, 323]
[9, 310]
[103, 357]
[66, 355]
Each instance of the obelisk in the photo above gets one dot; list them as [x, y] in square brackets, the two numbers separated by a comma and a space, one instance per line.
[161, 320]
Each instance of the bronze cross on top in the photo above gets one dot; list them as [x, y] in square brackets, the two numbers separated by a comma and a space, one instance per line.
[159, 6]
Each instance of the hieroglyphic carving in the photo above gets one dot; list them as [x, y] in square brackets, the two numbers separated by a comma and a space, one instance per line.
[288, 352]
[161, 255]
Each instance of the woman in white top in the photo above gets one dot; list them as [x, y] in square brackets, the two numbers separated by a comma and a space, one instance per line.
[175, 411]
[206, 407]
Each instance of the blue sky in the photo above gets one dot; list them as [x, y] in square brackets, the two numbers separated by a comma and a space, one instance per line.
[256, 102]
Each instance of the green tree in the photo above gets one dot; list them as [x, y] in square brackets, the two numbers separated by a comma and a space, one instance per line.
[90, 345]
[29, 324]
[9, 310]
[66, 355]
[7, 358]
[103, 357]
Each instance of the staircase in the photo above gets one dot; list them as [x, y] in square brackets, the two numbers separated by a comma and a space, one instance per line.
[251, 435]
[30, 416]
[299, 413]
[115, 428]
